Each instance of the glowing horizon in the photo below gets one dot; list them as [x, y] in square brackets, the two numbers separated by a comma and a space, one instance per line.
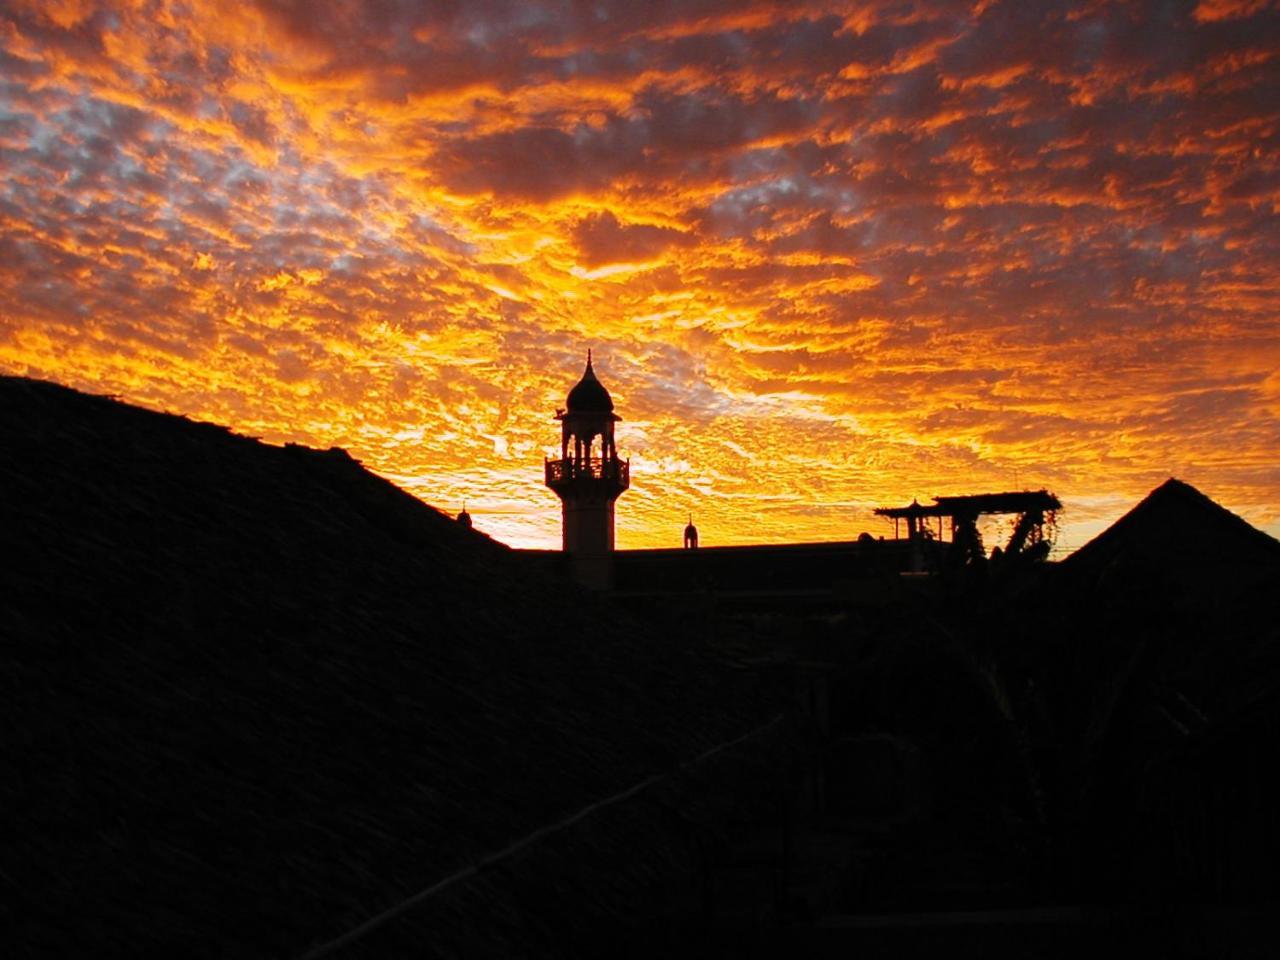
[828, 256]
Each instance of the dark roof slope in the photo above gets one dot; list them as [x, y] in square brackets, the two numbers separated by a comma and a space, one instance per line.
[252, 695]
[1178, 527]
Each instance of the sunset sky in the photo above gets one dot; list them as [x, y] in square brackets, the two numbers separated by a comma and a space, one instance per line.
[827, 256]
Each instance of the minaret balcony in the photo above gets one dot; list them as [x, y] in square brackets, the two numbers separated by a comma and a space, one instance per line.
[571, 471]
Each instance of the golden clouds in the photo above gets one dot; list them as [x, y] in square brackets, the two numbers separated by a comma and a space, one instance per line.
[826, 258]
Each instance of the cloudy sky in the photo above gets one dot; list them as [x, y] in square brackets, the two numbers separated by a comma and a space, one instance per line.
[828, 256]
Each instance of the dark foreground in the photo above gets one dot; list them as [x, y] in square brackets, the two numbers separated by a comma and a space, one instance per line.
[260, 703]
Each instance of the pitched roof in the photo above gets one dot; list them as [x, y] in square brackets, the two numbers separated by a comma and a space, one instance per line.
[1177, 527]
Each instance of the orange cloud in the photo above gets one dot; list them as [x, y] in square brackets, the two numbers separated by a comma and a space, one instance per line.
[826, 258]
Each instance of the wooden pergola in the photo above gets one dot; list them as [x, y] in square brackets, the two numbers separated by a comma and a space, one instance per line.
[1031, 507]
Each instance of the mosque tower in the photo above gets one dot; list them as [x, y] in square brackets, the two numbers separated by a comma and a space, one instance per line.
[588, 478]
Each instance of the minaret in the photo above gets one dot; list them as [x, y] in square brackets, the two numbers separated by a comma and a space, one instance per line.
[587, 478]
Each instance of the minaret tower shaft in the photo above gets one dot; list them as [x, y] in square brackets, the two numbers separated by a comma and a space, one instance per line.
[588, 478]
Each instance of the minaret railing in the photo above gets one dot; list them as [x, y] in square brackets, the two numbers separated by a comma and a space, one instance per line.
[595, 468]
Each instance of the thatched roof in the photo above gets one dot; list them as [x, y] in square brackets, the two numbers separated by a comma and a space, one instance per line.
[253, 695]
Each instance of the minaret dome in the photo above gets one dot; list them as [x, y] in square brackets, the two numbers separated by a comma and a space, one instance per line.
[589, 394]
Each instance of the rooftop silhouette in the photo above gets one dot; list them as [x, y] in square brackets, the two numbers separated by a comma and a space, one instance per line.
[268, 704]
[263, 695]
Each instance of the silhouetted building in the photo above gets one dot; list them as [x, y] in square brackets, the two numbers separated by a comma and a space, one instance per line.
[588, 478]
[464, 518]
